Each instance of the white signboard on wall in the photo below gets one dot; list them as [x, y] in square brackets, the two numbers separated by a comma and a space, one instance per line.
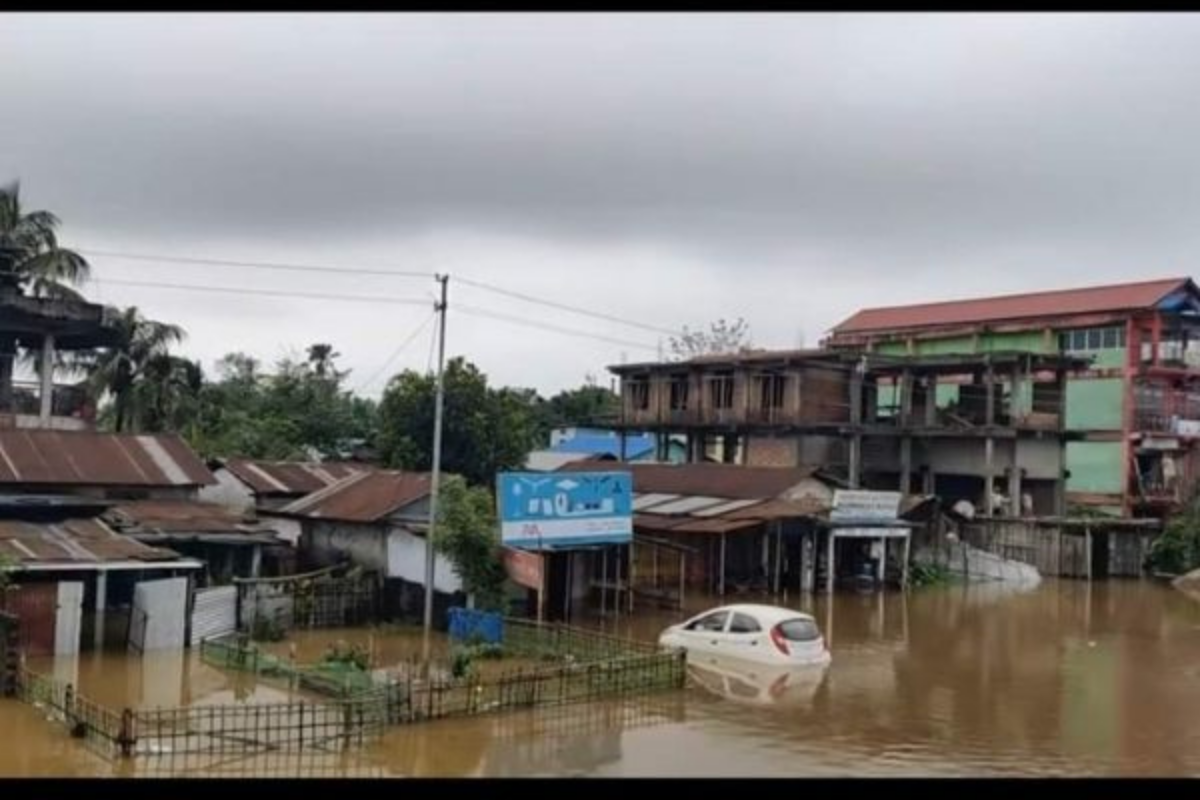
[865, 506]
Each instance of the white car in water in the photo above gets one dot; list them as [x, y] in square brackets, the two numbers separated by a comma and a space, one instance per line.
[763, 634]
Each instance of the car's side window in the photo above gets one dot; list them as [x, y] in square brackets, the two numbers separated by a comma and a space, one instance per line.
[743, 623]
[710, 622]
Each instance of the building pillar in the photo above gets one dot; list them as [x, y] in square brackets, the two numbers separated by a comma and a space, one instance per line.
[729, 449]
[855, 462]
[989, 377]
[931, 401]
[989, 447]
[830, 563]
[808, 562]
[721, 581]
[256, 561]
[929, 481]
[623, 438]
[1014, 486]
[906, 398]
[47, 379]
[101, 606]
[905, 464]
[856, 398]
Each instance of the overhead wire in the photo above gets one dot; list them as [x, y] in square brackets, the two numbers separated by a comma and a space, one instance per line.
[332, 269]
[270, 265]
[394, 355]
[354, 298]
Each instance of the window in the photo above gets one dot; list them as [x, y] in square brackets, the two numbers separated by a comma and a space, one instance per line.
[1087, 340]
[743, 623]
[720, 390]
[714, 622]
[639, 393]
[799, 630]
[772, 390]
[679, 393]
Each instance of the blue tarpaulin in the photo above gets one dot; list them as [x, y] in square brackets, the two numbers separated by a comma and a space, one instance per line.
[482, 626]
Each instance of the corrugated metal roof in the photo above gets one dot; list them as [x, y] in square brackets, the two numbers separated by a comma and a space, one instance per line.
[290, 477]
[85, 458]
[729, 481]
[1059, 303]
[365, 497]
[645, 501]
[73, 541]
[686, 505]
[722, 508]
[181, 516]
[553, 460]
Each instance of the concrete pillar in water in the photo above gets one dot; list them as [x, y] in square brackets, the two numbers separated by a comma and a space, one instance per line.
[101, 605]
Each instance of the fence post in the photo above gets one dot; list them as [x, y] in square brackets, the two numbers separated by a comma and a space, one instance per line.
[127, 738]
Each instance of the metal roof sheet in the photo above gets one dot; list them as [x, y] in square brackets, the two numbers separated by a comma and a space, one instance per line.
[1058, 303]
[290, 477]
[364, 497]
[182, 516]
[73, 541]
[85, 458]
[645, 501]
[731, 481]
[687, 505]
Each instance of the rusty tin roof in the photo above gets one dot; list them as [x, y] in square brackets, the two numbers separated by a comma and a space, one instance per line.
[363, 497]
[73, 541]
[85, 458]
[290, 477]
[181, 516]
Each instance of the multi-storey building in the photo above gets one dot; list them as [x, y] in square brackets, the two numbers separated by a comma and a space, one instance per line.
[872, 418]
[1134, 413]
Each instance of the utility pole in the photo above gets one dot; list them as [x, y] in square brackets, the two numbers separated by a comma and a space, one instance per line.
[444, 280]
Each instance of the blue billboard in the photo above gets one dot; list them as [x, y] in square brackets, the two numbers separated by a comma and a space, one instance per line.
[554, 510]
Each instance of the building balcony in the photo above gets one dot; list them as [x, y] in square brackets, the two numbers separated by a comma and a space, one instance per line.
[71, 407]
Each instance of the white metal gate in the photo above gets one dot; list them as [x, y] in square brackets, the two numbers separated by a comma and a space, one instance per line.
[214, 614]
[67, 618]
[162, 606]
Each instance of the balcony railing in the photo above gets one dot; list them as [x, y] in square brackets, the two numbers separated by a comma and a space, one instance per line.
[66, 401]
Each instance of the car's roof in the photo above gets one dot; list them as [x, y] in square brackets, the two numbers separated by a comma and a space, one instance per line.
[774, 613]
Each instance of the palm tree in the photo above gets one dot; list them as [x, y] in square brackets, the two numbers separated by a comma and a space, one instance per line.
[31, 263]
[141, 355]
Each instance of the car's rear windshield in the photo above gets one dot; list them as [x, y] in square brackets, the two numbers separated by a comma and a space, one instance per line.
[799, 630]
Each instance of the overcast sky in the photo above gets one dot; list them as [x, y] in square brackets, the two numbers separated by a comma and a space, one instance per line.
[667, 169]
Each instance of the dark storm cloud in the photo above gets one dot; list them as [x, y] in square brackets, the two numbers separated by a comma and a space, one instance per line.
[861, 157]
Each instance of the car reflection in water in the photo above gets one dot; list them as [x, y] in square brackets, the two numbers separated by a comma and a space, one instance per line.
[755, 684]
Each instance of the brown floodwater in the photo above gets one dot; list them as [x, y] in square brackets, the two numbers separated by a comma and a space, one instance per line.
[1066, 679]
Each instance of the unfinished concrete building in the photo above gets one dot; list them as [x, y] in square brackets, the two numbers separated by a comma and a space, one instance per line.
[1000, 445]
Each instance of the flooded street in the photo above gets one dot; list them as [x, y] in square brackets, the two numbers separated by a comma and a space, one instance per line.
[1068, 679]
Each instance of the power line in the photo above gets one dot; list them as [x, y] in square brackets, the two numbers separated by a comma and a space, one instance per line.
[330, 269]
[565, 307]
[395, 353]
[384, 299]
[261, 264]
[483, 312]
[352, 298]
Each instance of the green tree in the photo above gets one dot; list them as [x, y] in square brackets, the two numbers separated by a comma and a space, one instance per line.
[484, 430]
[1177, 550]
[586, 405]
[467, 535]
[299, 411]
[31, 263]
[127, 371]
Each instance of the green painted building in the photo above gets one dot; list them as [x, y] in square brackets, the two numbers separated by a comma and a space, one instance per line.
[1135, 411]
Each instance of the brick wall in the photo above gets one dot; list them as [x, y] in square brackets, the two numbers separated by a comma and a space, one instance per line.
[763, 451]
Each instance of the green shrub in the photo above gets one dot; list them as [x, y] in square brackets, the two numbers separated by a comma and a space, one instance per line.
[1177, 550]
